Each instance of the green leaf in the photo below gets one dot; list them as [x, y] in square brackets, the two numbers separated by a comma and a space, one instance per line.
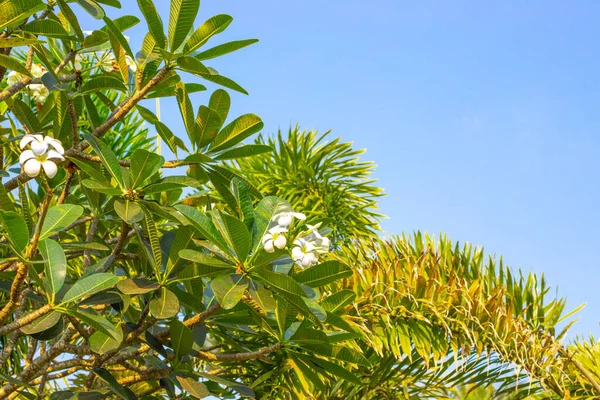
[46, 27]
[220, 101]
[135, 286]
[155, 25]
[42, 323]
[93, 8]
[185, 107]
[17, 42]
[100, 323]
[170, 91]
[56, 264]
[123, 392]
[72, 18]
[235, 233]
[244, 151]
[204, 265]
[203, 224]
[16, 229]
[14, 12]
[192, 65]
[102, 343]
[263, 214]
[281, 282]
[96, 38]
[26, 116]
[129, 211]
[144, 164]
[208, 29]
[338, 300]
[164, 305]
[108, 158]
[103, 83]
[90, 285]
[11, 63]
[236, 131]
[224, 81]
[323, 274]
[170, 183]
[181, 338]
[181, 20]
[334, 369]
[59, 217]
[154, 241]
[193, 387]
[208, 123]
[244, 202]
[101, 187]
[262, 296]
[229, 289]
[224, 48]
[116, 32]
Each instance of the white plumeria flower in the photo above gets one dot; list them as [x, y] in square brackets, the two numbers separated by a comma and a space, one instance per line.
[305, 252]
[109, 62]
[32, 163]
[321, 243]
[39, 93]
[285, 218]
[275, 238]
[39, 144]
[37, 70]
[14, 77]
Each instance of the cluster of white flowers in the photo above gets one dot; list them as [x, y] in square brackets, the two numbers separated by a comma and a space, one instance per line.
[307, 248]
[38, 91]
[106, 59]
[40, 155]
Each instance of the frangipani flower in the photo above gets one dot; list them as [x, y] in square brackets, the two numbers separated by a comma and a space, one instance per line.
[39, 144]
[13, 78]
[285, 218]
[109, 63]
[321, 243]
[37, 70]
[39, 93]
[305, 252]
[32, 163]
[275, 238]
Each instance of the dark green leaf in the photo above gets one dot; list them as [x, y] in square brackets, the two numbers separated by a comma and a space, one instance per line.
[90, 285]
[229, 289]
[164, 305]
[181, 338]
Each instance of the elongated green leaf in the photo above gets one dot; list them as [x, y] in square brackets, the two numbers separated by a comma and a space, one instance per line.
[185, 107]
[338, 300]
[236, 131]
[59, 217]
[16, 229]
[181, 20]
[6, 204]
[164, 305]
[208, 29]
[96, 38]
[100, 323]
[170, 183]
[244, 151]
[155, 25]
[93, 8]
[281, 282]
[266, 209]
[123, 392]
[14, 12]
[108, 158]
[220, 101]
[235, 233]
[181, 338]
[144, 164]
[129, 211]
[170, 91]
[323, 274]
[56, 264]
[101, 187]
[229, 289]
[12, 64]
[102, 343]
[224, 48]
[17, 42]
[188, 300]
[193, 387]
[262, 296]
[224, 81]
[114, 30]
[208, 123]
[90, 285]
[154, 240]
[203, 224]
[72, 18]
[103, 83]
[334, 369]
[192, 65]
[46, 27]
[26, 116]
[338, 352]
[42, 323]
[135, 286]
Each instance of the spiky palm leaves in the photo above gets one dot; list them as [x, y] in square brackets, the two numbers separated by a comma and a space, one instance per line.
[326, 179]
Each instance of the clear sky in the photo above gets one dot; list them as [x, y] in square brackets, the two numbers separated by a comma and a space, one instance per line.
[482, 118]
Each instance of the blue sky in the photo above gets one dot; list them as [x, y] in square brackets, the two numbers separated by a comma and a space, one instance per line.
[482, 118]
